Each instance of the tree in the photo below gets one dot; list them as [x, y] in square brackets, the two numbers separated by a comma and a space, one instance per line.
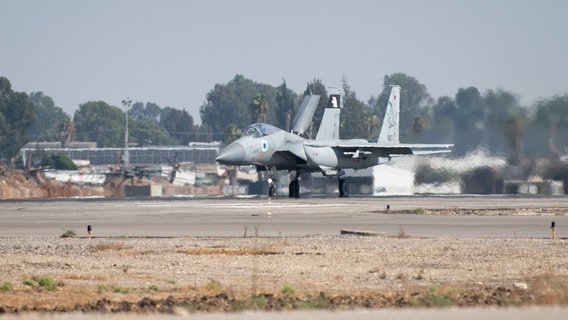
[444, 117]
[258, 108]
[414, 102]
[150, 111]
[97, 121]
[203, 133]
[470, 121]
[58, 162]
[145, 132]
[179, 124]
[552, 114]
[5, 132]
[285, 106]
[442, 124]
[65, 132]
[48, 118]
[503, 116]
[501, 106]
[231, 133]
[16, 116]
[353, 124]
[316, 87]
[513, 130]
[225, 106]
[371, 121]
[471, 108]
[229, 104]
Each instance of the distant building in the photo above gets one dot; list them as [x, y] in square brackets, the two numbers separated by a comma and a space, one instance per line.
[546, 187]
[198, 153]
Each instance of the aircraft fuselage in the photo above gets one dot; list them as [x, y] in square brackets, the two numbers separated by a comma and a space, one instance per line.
[286, 151]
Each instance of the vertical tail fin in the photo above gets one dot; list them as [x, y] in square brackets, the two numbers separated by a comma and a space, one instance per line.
[390, 127]
[329, 126]
[305, 114]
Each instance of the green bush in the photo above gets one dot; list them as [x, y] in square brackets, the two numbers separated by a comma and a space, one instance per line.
[287, 290]
[213, 285]
[318, 302]
[121, 290]
[29, 282]
[259, 302]
[69, 234]
[47, 283]
[7, 286]
[437, 300]
[58, 161]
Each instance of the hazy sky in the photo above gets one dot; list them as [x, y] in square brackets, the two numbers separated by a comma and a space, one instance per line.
[174, 52]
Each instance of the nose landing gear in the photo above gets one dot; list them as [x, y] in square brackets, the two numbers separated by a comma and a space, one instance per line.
[271, 189]
[294, 187]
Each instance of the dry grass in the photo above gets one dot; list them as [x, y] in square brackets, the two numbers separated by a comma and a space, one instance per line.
[550, 289]
[401, 234]
[228, 252]
[210, 274]
[110, 247]
[85, 277]
[264, 250]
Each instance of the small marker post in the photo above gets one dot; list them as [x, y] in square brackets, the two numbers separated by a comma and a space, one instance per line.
[553, 228]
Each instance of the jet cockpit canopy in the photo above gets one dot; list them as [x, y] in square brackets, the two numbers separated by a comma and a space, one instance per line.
[258, 130]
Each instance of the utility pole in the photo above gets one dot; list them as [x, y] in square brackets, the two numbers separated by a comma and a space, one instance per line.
[126, 157]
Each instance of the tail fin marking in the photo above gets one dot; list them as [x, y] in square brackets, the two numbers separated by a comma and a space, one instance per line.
[329, 126]
[390, 127]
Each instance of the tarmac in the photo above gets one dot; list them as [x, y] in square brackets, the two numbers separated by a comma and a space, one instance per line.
[527, 217]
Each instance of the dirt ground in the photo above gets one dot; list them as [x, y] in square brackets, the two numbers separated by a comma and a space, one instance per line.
[16, 184]
[218, 274]
[232, 274]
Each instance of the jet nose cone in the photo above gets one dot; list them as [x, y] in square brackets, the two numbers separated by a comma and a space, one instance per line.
[234, 154]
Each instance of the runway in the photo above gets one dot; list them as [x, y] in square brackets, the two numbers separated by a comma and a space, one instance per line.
[283, 217]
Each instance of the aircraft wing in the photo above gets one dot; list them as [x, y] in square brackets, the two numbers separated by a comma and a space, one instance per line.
[424, 149]
[290, 155]
[361, 149]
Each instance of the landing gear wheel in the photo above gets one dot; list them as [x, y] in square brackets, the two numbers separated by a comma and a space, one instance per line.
[343, 188]
[294, 189]
[271, 191]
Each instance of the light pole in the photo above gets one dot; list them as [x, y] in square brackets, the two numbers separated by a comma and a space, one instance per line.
[126, 157]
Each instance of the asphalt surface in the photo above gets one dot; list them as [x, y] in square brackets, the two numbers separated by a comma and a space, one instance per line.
[282, 217]
[293, 217]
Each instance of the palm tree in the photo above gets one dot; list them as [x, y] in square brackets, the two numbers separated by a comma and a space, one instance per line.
[259, 108]
[231, 133]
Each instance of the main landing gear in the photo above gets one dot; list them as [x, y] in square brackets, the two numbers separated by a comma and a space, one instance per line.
[343, 187]
[294, 187]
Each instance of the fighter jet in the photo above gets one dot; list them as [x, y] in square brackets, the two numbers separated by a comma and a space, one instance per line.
[270, 148]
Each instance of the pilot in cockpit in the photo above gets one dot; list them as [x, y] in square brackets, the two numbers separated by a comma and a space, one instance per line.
[258, 130]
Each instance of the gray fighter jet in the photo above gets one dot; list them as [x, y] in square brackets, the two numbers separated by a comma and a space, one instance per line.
[270, 148]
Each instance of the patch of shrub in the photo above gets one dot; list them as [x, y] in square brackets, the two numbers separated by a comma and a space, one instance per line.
[58, 162]
[70, 233]
[287, 290]
[47, 283]
[7, 286]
